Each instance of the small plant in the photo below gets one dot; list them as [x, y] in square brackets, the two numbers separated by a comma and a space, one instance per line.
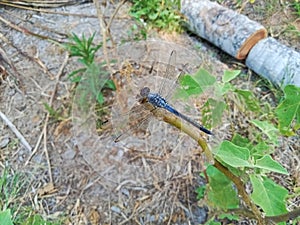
[93, 76]
[55, 114]
[91, 79]
[296, 5]
[12, 205]
[85, 50]
[137, 32]
[247, 158]
[159, 14]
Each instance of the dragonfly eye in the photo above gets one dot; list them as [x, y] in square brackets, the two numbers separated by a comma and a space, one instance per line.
[145, 91]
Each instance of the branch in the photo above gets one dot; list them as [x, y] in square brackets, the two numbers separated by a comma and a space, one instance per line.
[16, 131]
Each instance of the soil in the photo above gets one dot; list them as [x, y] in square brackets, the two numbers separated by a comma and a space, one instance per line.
[74, 171]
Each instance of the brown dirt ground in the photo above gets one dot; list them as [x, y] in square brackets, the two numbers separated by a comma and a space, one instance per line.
[76, 173]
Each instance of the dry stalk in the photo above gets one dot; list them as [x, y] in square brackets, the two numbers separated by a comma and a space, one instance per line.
[44, 131]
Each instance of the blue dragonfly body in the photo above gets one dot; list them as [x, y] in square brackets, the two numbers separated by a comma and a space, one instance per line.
[157, 101]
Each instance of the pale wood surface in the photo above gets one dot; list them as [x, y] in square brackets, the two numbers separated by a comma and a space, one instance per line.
[275, 62]
[234, 33]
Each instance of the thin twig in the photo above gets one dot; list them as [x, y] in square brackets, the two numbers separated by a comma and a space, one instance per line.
[16, 131]
[196, 135]
[113, 16]
[241, 190]
[44, 131]
[34, 59]
[103, 31]
[26, 31]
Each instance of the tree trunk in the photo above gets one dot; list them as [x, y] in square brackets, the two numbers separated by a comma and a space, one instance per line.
[276, 62]
[230, 31]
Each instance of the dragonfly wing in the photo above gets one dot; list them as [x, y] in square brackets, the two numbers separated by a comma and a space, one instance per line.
[132, 123]
[168, 75]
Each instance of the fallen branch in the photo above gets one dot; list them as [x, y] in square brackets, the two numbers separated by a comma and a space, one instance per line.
[16, 131]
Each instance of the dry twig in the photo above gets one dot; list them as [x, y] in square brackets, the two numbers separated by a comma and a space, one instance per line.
[16, 131]
[44, 131]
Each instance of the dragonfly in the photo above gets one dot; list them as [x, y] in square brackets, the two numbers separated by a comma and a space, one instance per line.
[158, 102]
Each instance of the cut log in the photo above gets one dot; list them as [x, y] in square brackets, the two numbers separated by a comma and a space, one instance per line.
[275, 62]
[234, 33]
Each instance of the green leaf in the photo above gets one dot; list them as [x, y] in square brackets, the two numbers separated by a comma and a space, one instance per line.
[225, 88]
[240, 141]
[200, 192]
[234, 155]
[212, 112]
[268, 195]
[204, 79]
[37, 220]
[261, 149]
[230, 75]
[268, 163]
[197, 83]
[268, 129]
[5, 217]
[289, 110]
[77, 78]
[212, 222]
[221, 192]
[110, 84]
[90, 87]
[100, 98]
[248, 98]
[189, 86]
[228, 216]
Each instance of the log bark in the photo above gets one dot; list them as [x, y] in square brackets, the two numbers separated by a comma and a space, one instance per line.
[275, 62]
[234, 33]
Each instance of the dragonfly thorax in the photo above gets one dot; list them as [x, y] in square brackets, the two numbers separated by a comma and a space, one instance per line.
[156, 100]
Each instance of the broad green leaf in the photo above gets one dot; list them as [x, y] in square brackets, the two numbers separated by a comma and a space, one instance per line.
[230, 75]
[212, 221]
[268, 163]
[268, 195]
[233, 155]
[228, 216]
[195, 84]
[5, 217]
[204, 79]
[221, 192]
[268, 129]
[225, 88]
[189, 86]
[260, 149]
[212, 112]
[240, 141]
[289, 110]
[249, 100]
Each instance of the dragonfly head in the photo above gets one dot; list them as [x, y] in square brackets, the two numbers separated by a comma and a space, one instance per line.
[144, 92]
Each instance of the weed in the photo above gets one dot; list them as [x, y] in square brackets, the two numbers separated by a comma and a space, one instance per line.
[296, 5]
[246, 158]
[137, 32]
[57, 115]
[12, 205]
[93, 74]
[91, 79]
[158, 14]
